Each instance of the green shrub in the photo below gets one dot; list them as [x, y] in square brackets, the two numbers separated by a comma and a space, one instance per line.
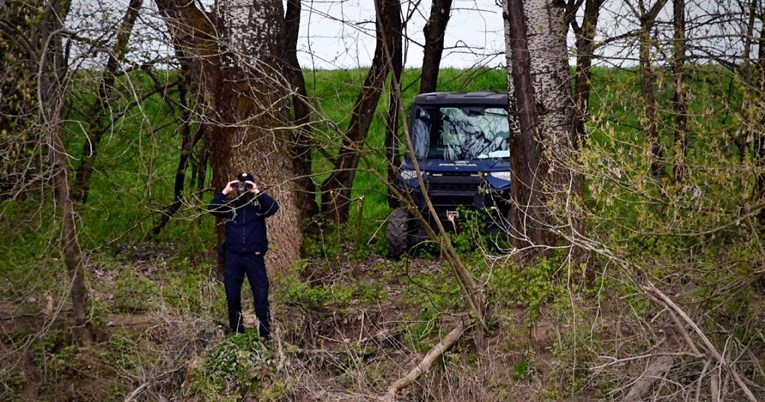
[525, 286]
[135, 292]
[239, 365]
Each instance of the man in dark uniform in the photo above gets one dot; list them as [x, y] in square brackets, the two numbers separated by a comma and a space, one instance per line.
[245, 209]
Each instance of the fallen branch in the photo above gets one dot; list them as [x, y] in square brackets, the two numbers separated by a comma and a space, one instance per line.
[655, 371]
[424, 365]
[705, 341]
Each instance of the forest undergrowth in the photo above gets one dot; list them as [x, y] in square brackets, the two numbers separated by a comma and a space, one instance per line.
[668, 305]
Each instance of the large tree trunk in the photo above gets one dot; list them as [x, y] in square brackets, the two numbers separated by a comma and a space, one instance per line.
[434, 31]
[336, 189]
[303, 139]
[243, 102]
[551, 75]
[527, 218]
[542, 151]
[253, 103]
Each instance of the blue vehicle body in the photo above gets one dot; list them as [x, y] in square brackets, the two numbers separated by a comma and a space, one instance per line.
[461, 144]
[452, 185]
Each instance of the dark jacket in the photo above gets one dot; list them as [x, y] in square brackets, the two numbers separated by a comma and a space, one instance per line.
[246, 225]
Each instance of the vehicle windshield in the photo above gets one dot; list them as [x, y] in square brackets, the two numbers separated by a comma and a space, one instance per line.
[460, 133]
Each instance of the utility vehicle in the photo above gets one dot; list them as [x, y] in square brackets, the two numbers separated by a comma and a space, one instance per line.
[461, 144]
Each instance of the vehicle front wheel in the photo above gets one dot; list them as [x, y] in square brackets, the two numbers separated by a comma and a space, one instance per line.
[398, 233]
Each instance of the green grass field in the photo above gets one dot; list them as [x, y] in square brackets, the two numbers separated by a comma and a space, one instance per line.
[138, 155]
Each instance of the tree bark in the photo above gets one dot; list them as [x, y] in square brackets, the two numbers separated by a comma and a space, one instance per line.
[69, 240]
[434, 31]
[526, 159]
[52, 83]
[21, 41]
[680, 102]
[585, 47]
[392, 139]
[302, 147]
[647, 77]
[543, 149]
[758, 142]
[746, 63]
[253, 103]
[425, 364]
[654, 372]
[336, 189]
[243, 105]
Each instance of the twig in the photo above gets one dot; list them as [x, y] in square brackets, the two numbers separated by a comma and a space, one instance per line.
[133, 395]
[424, 365]
[707, 343]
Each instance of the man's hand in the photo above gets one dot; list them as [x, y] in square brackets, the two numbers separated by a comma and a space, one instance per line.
[253, 187]
[230, 187]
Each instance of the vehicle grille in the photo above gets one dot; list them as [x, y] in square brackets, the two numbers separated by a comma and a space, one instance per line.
[453, 187]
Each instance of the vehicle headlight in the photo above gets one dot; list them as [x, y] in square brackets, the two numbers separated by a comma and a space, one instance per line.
[504, 175]
[407, 174]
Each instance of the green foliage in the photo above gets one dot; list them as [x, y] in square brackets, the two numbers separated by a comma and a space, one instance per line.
[329, 295]
[523, 370]
[698, 237]
[479, 232]
[240, 365]
[431, 296]
[334, 93]
[135, 292]
[526, 286]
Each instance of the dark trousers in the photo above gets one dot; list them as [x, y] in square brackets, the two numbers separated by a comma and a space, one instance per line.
[236, 266]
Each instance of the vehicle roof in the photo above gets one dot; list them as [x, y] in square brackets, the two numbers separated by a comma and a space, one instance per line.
[462, 98]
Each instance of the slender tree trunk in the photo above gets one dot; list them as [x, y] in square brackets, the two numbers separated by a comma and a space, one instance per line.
[336, 189]
[52, 83]
[585, 46]
[99, 112]
[434, 31]
[758, 143]
[680, 102]
[647, 77]
[749, 70]
[746, 63]
[69, 240]
[303, 138]
[187, 147]
[392, 121]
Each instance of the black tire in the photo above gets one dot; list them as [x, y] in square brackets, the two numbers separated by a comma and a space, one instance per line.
[398, 233]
